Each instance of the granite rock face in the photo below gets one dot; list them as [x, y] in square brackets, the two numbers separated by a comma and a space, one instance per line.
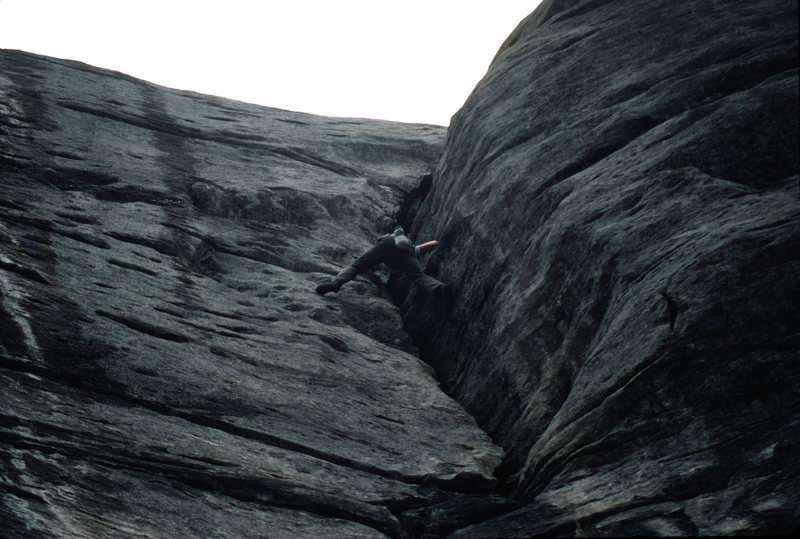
[167, 369]
[618, 209]
[617, 206]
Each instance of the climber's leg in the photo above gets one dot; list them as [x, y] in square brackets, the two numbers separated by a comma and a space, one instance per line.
[368, 260]
[411, 267]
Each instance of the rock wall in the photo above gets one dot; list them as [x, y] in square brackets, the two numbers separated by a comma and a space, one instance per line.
[618, 207]
[167, 369]
[617, 203]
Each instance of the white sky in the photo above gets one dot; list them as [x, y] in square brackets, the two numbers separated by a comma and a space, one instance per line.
[407, 61]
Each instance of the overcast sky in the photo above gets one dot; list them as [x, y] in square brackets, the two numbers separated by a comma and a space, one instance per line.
[409, 61]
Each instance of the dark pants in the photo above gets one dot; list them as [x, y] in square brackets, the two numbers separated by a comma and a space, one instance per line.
[385, 251]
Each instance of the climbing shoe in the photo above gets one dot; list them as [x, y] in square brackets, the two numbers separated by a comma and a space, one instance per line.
[327, 287]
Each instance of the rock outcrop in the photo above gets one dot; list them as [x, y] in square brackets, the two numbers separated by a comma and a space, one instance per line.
[167, 368]
[617, 205]
[618, 209]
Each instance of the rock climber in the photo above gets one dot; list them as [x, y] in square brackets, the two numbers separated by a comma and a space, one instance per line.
[396, 251]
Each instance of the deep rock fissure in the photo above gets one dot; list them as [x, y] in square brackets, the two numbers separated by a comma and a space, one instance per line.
[507, 468]
[399, 290]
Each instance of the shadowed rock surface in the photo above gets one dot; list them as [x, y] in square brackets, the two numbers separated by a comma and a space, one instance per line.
[617, 203]
[166, 367]
[618, 209]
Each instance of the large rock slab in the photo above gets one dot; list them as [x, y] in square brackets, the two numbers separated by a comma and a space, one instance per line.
[167, 369]
[618, 209]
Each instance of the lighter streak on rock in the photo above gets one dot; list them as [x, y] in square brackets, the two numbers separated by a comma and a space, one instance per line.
[11, 301]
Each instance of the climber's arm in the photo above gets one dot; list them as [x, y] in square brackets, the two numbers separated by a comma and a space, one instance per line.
[426, 247]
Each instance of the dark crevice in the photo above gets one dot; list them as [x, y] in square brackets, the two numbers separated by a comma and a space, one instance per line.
[672, 310]
[570, 42]
[134, 267]
[65, 178]
[157, 245]
[143, 327]
[457, 512]
[588, 524]
[411, 203]
[23, 271]
[83, 219]
[271, 493]
[291, 121]
[128, 194]
[22, 493]
[12, 205]
[83, 238]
